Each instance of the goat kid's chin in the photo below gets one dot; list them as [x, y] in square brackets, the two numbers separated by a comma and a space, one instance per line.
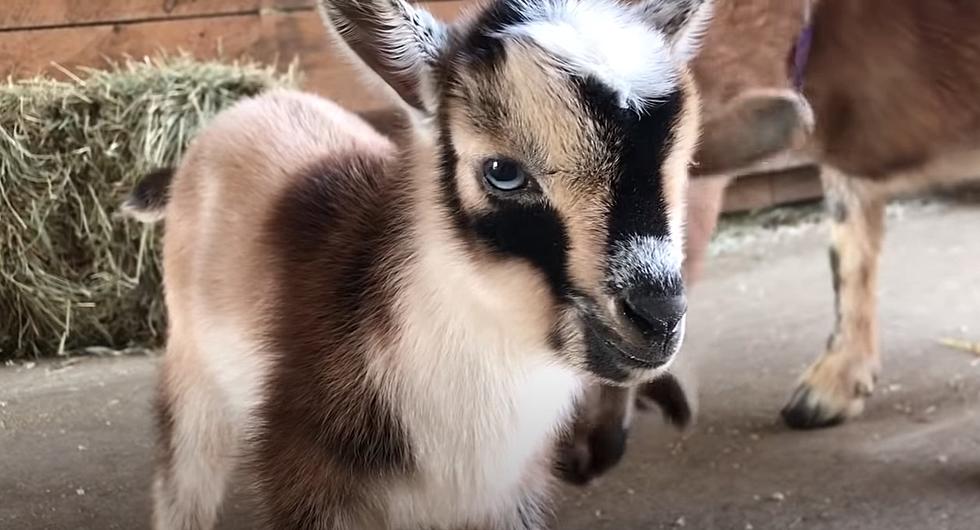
[635, 340]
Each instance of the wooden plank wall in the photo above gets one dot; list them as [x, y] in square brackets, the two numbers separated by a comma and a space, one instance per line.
[36, 34]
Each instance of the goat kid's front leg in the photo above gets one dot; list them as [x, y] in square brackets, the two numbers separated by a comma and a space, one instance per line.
[597, 439]
[835, 387]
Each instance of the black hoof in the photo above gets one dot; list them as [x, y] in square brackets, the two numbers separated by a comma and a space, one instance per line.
[578, 465]
[803, 412]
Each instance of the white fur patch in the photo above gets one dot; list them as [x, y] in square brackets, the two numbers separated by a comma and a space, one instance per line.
[648, 257]
[480, 394]
[603, 39]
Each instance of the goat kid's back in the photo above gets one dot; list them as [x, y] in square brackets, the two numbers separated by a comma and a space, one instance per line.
[244, 169]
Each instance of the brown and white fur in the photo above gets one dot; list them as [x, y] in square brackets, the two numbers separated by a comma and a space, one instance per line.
[892, 85]
[391, 334]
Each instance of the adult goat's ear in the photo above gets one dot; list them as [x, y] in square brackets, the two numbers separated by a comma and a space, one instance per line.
[682, 22]
[396, 41]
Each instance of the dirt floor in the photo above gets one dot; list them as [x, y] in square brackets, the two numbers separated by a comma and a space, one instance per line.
[76, 438]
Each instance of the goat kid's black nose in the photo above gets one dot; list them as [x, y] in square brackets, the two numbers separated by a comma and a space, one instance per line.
[653, 313]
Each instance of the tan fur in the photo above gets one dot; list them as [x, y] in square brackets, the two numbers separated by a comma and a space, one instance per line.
[685, 145]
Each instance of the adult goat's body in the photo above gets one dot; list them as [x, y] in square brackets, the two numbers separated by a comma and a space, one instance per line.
[391, 334]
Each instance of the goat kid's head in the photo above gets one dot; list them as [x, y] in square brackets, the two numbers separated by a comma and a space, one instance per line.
[563, 131]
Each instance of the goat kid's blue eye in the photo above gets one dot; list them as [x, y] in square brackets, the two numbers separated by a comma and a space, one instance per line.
[505, 175]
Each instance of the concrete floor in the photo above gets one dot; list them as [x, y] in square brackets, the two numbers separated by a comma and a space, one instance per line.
[75, 436]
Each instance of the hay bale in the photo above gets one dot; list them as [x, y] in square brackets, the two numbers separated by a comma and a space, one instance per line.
[72, 273]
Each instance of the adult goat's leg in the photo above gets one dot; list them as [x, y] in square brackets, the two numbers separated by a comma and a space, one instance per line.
[836, 386]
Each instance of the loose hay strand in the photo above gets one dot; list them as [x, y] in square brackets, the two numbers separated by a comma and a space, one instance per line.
[962, 345]
[73, 274]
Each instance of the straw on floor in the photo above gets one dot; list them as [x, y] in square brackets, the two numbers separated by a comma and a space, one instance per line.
[74, 275]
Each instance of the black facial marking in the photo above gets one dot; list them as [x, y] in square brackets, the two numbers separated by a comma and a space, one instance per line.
[641, 141]
[533, 232]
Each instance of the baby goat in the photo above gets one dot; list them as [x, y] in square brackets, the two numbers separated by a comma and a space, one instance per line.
[392, 333]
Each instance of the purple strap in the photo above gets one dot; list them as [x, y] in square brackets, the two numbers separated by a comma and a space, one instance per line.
[801, 53]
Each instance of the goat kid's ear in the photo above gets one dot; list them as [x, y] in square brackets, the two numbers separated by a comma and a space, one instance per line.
[683, 22]
[396, 41]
